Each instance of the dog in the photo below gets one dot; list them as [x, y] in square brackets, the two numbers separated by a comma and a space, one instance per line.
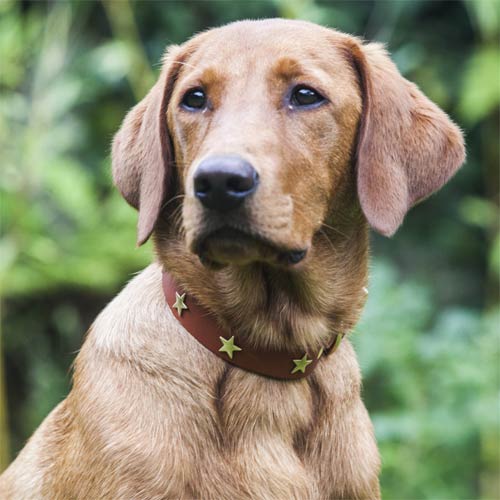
[257, 162]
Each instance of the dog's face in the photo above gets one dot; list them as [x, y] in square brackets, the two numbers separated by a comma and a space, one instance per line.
[270, 125]
[263, 131]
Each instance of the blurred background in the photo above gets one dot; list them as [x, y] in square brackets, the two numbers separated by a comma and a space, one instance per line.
[428, 342]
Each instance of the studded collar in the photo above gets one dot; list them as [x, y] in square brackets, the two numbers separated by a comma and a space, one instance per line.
[203, 326]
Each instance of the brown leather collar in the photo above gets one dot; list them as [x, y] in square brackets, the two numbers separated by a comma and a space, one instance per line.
[202, 325]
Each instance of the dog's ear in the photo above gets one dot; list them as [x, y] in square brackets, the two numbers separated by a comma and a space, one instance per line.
[407, 147]
[142, 153]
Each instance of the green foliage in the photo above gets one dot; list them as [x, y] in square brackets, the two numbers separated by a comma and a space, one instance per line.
[436, 372]
[56, 222]
[428, 341]
[481, 92]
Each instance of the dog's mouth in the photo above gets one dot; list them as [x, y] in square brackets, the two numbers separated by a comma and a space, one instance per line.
[232, 246]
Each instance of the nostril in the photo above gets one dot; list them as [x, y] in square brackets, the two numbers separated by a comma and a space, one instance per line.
[241, 183]
[202, 185]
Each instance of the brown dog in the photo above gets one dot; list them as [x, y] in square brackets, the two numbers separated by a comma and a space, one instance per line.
[258, 160]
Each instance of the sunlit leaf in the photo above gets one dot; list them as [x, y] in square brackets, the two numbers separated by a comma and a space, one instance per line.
[481, 84]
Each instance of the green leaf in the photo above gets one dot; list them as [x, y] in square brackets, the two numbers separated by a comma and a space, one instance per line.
[481, 87]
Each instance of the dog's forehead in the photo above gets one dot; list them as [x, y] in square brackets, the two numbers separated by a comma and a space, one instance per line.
[261, 43]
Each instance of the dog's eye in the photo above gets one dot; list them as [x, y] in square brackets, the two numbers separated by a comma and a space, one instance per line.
[305, 96]
[194, 99]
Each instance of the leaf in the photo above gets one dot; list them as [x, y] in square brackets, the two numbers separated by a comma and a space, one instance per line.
[481, 86]
[478, 211]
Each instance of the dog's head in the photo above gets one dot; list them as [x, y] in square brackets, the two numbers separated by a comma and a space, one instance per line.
[266, 130]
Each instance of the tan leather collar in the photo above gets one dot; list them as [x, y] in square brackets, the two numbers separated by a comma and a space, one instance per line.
[202, 325]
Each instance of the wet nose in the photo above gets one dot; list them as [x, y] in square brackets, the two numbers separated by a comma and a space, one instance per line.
[223, 183]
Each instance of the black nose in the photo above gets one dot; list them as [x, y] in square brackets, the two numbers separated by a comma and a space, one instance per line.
[223, 182]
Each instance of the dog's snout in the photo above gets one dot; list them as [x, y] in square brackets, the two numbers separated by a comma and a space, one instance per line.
[223, 182]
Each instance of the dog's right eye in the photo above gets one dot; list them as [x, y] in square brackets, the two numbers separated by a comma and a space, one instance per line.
[305, 97]
[194, 99]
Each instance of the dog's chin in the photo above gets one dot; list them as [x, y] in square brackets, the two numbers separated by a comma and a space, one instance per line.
[229, 246]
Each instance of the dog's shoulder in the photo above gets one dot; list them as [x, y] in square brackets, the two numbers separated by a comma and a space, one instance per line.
[134, 316]
[137, 328]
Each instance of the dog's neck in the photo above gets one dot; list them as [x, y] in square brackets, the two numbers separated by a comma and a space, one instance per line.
[276, 308]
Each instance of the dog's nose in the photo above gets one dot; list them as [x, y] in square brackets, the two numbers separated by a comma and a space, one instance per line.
[222, 183]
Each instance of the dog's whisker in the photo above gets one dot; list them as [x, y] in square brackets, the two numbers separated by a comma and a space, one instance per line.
[334, 250]
[183, 63]
[324, 224]
[179, 196]
[176, 215]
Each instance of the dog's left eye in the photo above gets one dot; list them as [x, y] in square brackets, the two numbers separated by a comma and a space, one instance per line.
[194, 99]
[303, 96]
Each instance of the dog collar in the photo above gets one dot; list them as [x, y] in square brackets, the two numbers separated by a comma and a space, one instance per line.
[203, 326]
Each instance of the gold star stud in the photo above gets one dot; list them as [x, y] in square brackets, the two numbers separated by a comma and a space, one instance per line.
[179, 303]
[228, 346]
[337, 342]
[301, 364]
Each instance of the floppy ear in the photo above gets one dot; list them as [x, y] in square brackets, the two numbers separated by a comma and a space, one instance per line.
[142, 153]
[407, 147]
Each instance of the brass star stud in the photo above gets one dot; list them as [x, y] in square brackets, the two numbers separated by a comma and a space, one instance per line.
[337, 342]
[228, 346]
[179, 303]
[301, 364]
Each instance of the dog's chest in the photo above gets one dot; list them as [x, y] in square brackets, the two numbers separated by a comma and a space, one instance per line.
[259, 423]
[258, 409]
[253, 404]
